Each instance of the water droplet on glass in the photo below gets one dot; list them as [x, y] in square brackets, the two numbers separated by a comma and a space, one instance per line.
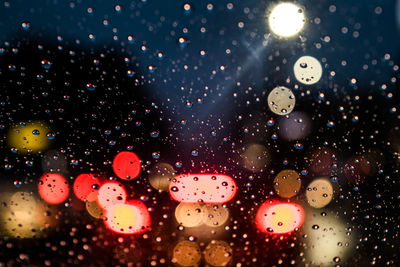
[174, 189]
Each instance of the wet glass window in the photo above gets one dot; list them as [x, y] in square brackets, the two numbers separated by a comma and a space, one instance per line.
[199, 133]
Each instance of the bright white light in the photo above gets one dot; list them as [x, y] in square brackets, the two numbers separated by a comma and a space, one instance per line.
[286, 19]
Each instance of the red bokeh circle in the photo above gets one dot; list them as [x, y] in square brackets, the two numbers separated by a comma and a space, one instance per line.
[85, 184]
[126, 165]
[53, 188]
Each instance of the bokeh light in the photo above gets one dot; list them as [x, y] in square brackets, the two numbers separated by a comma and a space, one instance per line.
[23, 216]
[93, 207]
[255, 157]
[356, 169]
[215, 215]
[53, 188]
[287, 183]
[319, 193]
[186, 253]
[295, 126]
[126, 165]
[29, 137]
[131, 218]
[111, 193]
[54, 161]
[274, 217]
[203, 188]
[286, 19]
[328, 240]
[85, 184]
[307, 70]
[189, 214]
[281, 100]
[218, 253]
[323, 161]
[160, 176]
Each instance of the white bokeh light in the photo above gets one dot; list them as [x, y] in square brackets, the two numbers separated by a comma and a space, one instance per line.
[286, 19]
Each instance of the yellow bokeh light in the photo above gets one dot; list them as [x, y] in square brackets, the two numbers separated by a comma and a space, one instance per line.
[24, 216]
[125, 216]
[328, 238]
[189, 214]
[284, 218]
[215, 215]
[30, 137]
[286, 19]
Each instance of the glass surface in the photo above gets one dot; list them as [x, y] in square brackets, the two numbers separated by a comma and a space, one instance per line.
[202, 133]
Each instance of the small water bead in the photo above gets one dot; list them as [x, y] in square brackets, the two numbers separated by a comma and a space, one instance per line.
[187, 8]
[183, 41]
[330, 124]
[35, 132]
[46, 64]
[90, 87]
[51, 135]
[25, 25]
[336, 259]
[174, 189]
[151, 68]
[334, 179]
[155, 155]
[298, 145]
[315, 227]
[130, 73]
[8, 166]
[195, 152]
[160, 55]
[118, 8]
[17, 183]
[178, 164]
